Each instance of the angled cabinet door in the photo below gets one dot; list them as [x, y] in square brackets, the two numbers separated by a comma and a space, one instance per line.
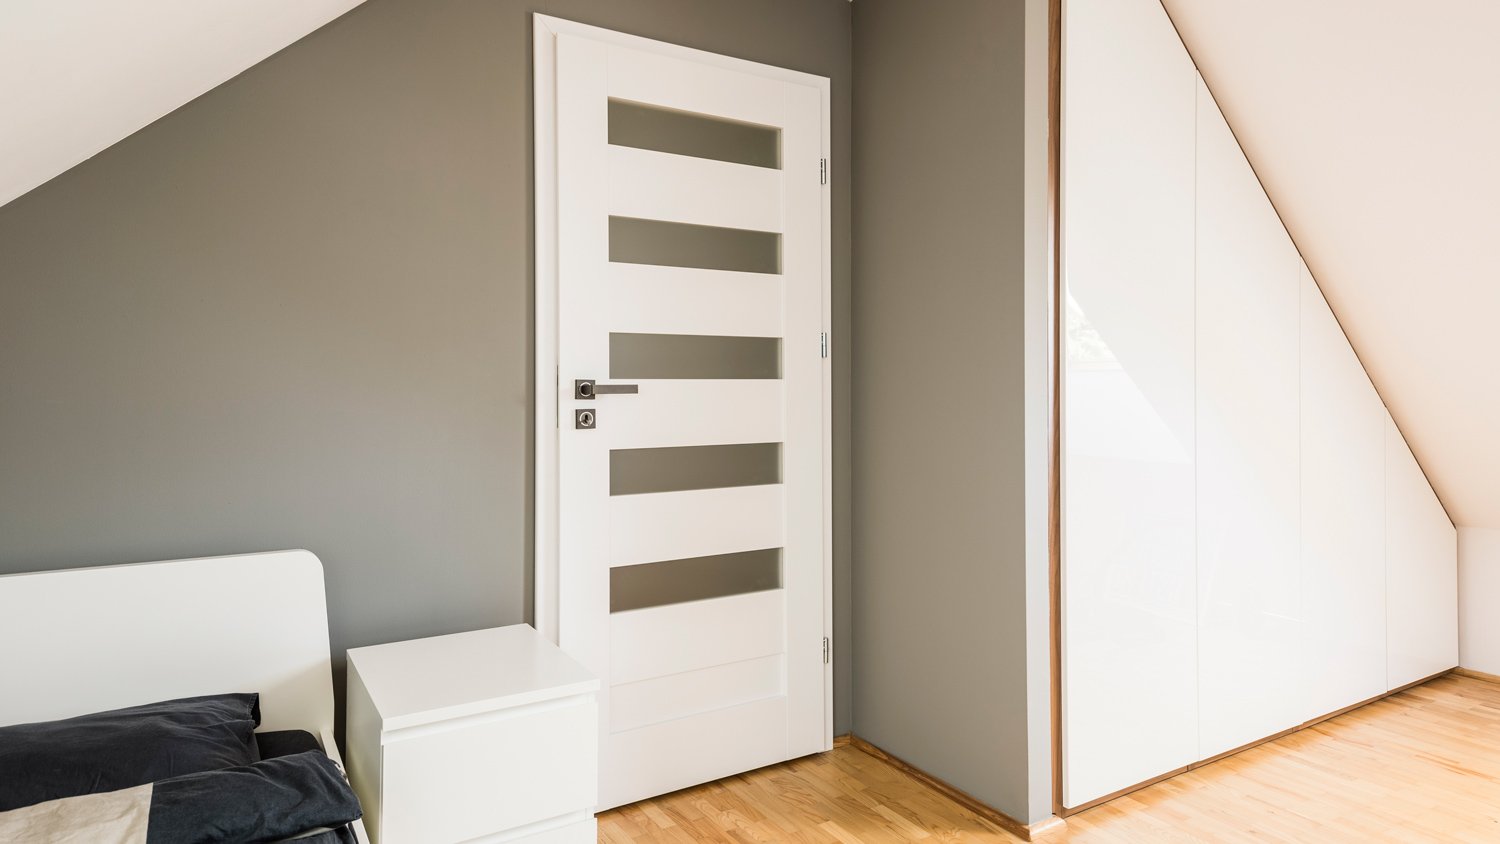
[1129, 639]
[1421, 571]
[1249, 596]
[1343, 515]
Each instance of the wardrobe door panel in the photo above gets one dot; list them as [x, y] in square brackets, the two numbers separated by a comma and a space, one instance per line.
[1249, 584]
[1421, 571]
[1343, 515]
[1128, 592]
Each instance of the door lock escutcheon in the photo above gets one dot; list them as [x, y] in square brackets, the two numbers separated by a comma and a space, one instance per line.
[584, 389]
[585, 419]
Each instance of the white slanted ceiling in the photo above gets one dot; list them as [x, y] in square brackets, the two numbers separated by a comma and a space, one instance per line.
[1375, 126]
[78, 75]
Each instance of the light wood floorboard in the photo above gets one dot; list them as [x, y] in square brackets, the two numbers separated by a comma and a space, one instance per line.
[844, 795]
[1419, 766]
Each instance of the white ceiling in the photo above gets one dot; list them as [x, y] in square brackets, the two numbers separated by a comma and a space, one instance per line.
[78, 75]
[1375, 126]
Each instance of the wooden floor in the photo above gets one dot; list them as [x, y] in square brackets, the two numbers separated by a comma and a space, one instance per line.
[1420, 766]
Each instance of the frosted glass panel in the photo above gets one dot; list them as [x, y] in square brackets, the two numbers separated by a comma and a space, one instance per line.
[697, 135]
[693, 579]
[698, 356]
[633, 471]
[663, 244]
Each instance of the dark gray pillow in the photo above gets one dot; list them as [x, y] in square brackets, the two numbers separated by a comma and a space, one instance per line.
[123, 748]
[268, 801]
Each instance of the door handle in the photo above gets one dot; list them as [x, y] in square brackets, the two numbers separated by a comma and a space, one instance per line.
[585, 389]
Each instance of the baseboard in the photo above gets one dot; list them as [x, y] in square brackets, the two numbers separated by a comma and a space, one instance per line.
[1068, 812]
[1477, 675]
[1027, 832]
[1030, 832]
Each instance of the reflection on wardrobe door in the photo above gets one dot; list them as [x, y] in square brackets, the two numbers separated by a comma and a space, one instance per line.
[1343, 515]
[1249, 597]
[1421, 571]
[1129, 646]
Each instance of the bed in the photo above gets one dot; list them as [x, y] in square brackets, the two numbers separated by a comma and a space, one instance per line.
[85, 640]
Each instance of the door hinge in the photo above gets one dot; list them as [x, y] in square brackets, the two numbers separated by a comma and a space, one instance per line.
[822, 171]
[823, 344]
[825, 650]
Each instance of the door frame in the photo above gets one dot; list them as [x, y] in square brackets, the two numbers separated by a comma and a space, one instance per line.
[546, 398]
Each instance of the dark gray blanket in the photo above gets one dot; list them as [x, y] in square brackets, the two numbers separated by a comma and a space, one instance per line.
[266, 801]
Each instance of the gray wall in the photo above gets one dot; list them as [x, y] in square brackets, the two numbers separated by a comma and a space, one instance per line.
[296, 313]
[950, 672]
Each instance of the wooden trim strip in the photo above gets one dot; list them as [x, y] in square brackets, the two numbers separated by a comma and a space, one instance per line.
[842, 740]
[1129, 789]
[1477, 675]
[1027, 832]
[1067, 812]
[1054, 404]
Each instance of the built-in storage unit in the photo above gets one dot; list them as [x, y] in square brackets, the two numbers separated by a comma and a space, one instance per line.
[1247, 542]
[489, 735]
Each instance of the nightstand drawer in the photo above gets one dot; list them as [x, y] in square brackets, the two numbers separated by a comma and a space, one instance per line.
[465, 778]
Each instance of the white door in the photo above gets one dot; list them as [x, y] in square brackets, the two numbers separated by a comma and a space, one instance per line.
[683, 461]
[1129, 569]
[1421, 557]
[1343, 515]
[1251, 634]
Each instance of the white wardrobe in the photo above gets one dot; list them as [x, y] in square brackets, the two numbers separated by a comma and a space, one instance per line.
[1248, 542]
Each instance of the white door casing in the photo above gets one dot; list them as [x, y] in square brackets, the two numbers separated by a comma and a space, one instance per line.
[695, 688]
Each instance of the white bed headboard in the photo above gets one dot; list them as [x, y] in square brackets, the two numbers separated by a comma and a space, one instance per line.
[85, 640]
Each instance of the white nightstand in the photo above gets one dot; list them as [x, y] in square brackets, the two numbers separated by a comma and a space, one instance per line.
[491, 735]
